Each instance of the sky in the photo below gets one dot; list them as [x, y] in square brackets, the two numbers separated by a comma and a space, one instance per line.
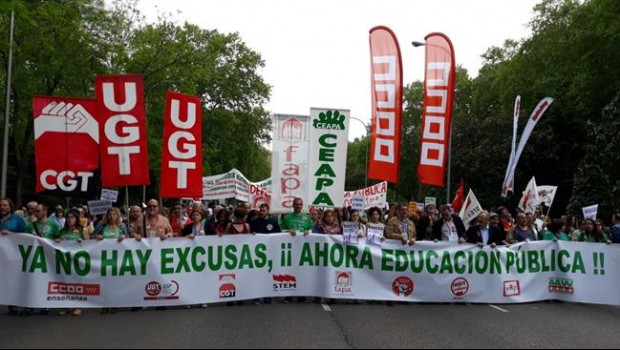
[316, 52]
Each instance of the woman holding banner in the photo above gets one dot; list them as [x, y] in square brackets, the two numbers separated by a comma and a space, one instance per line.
[555, 231]
[72, 231]
[111, 227]
[328, 224]
[592, 234]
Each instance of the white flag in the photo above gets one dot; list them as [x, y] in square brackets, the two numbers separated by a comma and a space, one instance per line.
[590, 212]
[546, 194]
[537, 114]
[471, 209]
[529, 201]
[509, 187]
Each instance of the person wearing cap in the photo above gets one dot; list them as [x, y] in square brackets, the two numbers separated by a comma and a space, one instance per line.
[482, 233]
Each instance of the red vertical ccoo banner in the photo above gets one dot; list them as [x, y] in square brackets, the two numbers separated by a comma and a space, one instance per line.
[387, 105]
[437, 112]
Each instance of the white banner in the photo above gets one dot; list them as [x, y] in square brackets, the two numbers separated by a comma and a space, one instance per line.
[590, 212]
[374, 196]
[537, 114]
[234, 184]
[430, 201]
[289, 161]
[509, 187]
[328, 159]
[40, 273]
[98, 207]
[109, 195]
[259, 196]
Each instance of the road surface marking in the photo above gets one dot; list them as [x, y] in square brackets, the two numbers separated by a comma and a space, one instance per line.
[499, 308]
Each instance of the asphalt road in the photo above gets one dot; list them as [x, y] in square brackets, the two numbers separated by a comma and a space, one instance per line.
[538, 325]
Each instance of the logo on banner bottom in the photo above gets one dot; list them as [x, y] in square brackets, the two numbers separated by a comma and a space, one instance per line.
[561, 285]
[344, 283]
[161, 291]
[284, 282]
[228, 289]
[512, 289]
[402, 286]
[459, 287]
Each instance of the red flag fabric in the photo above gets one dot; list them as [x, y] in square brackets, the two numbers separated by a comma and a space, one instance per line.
[66, 142]
[124, 155]
[387, 97]
[437, 112]
[181, 165]
[459, 197]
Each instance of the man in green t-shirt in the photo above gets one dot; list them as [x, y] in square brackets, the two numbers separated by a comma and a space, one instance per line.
[43, 226]
[297, 221]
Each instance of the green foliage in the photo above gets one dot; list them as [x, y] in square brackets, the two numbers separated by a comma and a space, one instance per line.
[570, 56]
[566, 58]
[598, 178]
[61, 45]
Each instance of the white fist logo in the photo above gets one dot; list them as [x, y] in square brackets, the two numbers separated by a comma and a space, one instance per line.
[66, 118]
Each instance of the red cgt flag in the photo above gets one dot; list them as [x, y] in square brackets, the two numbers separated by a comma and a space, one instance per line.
[66, 142]
[459, 197]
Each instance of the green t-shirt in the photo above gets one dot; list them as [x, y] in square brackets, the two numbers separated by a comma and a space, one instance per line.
[549, 236]
[109, 232]
[583, 237]
[47, 229]
[71, 235]
[298, 222]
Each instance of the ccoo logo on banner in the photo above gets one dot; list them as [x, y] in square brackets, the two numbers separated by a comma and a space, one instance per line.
[62, 126]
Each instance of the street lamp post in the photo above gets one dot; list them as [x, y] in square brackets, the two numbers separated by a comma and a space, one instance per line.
[367, 142]
[5, 145]
[418, 44]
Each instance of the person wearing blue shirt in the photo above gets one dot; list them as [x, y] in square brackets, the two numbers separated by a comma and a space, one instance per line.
[10, 222]
[615, 229]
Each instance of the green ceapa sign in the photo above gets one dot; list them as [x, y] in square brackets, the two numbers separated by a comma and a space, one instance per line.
[325, 175]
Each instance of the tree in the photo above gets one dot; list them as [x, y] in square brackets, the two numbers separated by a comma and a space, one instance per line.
[60, 46]
[598, 178]
[52, 56]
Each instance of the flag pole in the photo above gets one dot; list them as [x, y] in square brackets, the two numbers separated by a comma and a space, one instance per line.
[5, 146]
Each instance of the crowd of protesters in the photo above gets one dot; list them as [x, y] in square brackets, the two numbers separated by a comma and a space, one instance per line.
[500, 227]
